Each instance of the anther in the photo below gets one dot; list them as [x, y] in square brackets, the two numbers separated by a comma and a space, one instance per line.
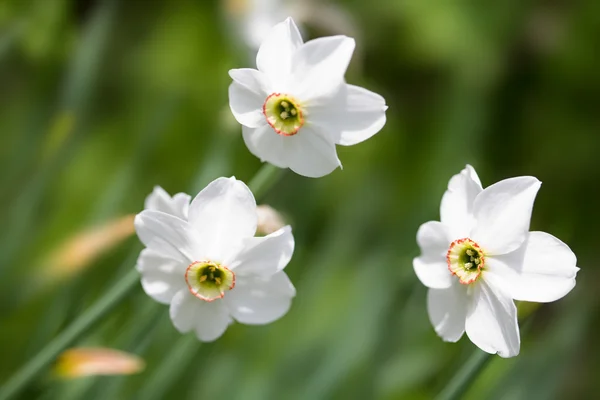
[468, 265]
[218, 280]
[470, 252]
[202, 278]
[285, 104]
[284, 115]
[294, 112]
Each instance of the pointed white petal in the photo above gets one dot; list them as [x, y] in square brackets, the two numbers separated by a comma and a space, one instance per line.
[319, 67]
[542, 270]
[208, 319]
[247, 95]
[266, 255]
[492, 320]
[258, 300]
[352, 116]
[223, 214]
[502, 213]
[276, 53]
[456, 209]
[267, 145]
[447, 310]
[431, 267]
[311, 153]
[167, 235]
[162, 277]
[159, 200]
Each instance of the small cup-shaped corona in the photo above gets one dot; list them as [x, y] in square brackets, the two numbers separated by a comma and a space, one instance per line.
[283, 113]
[465, 260]
[208, 280]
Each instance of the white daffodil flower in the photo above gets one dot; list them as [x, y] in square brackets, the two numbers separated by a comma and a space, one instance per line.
[296, 107]
[206, 263]
[481, 257]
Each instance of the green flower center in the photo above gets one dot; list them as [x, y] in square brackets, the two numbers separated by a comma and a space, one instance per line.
[465, 260]
[208, 280]
[283, 113]
[469, 258]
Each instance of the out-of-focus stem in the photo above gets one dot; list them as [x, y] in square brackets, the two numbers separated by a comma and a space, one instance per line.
[266, 176]
[460, 382]
[475, 365]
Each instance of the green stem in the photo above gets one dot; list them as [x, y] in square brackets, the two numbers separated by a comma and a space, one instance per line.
[459, 384]
[266, 176]
[180, 354]
[260, 184]
[18, 381]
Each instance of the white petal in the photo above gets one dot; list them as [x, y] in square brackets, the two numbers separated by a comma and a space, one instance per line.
[456, 209]
[431, 267]
[167, 235]
[447, 310]
[432, 273]
[542, 270]
[276, 53]
[252, 80]
[223, 213]
[159, 200]
[311, 153]
[502, 213]
[264, 255]
[213, 320]
[247, 95]
[492, 320]
[434, 240]
[183, 310]
[319, 67]
[267, 145]
[260, 300]
[352, 116]
[209, 319]
[162, 277]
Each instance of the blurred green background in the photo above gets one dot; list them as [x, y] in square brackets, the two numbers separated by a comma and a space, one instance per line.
[103, 99]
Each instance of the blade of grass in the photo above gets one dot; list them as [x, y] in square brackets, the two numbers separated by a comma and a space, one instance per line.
[81, 325]
[75, 100]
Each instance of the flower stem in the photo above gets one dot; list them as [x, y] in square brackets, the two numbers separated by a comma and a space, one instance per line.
[461, 381]
[70, 334]
[266, 176]
[260, 184]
